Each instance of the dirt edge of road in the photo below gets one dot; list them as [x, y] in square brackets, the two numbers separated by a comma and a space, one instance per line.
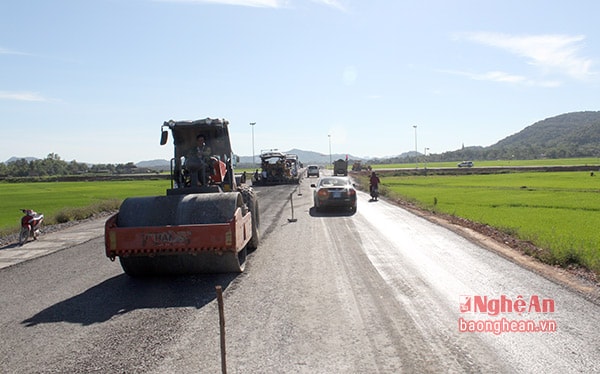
[578, 279]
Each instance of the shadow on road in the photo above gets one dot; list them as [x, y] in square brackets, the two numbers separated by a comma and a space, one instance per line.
[12, 245]
[122, 294]
[331, 212]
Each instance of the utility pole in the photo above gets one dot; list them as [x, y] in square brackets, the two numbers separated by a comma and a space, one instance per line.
[252, 124]
[416, 151]
[329, 135]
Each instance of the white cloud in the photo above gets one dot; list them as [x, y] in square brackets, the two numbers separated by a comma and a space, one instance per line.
[551, 53]
[331, 3]
[258, 3]
[503, 77]
[249, 3]
[4, 51]
[499, 76]
[22, 96]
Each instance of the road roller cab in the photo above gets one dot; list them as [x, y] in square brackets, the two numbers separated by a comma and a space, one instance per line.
[198, 167]
[206, 222]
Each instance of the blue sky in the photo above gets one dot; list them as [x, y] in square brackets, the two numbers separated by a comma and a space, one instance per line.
[93, 80]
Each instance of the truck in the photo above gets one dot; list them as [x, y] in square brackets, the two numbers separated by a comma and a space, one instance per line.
[207, 221]
[340, 167]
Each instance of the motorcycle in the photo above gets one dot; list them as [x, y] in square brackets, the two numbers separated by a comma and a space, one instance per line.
[374, 192]
[30, 225]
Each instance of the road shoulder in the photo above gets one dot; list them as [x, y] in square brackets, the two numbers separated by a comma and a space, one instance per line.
[579, 280]
[53, 239]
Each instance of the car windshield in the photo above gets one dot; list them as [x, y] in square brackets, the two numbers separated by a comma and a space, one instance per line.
[333, 182]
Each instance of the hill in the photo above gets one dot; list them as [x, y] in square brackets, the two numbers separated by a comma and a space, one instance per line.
[575, 134]
[155, 164]
[14, 158]
[309, 157]
[306, 157]
[579, 129]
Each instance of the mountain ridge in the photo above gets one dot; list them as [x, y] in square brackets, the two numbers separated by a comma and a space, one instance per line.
[574, 134]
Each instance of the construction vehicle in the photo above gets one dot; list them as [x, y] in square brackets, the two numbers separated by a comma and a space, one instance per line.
[357, 166]
[207, 221]
[340, 167]
[292, 162]
[277, 169]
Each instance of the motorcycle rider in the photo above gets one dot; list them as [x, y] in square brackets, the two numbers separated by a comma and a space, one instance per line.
[374, 185]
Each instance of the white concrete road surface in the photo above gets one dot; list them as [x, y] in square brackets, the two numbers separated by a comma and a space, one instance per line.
[51, 242]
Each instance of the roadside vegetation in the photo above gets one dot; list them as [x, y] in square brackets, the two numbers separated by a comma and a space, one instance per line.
[556, 211]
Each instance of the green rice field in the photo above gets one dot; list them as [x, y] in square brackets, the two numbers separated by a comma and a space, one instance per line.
[558, 211]
[58, 200]
[495, 163]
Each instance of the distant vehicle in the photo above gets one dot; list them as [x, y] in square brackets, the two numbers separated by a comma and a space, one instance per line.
[358, 166]
[278, 168]
[340, 167]
[312, 170]
[291, 161]
[466, 164]
[334, 192]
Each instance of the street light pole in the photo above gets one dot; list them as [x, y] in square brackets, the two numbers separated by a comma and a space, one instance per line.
[329, 135]
[425, 157]
[252, 124]
[416, 151]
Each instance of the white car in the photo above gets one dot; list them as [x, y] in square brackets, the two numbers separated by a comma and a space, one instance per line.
[466, 164]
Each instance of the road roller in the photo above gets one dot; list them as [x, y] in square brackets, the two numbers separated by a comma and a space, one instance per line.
[207, 221]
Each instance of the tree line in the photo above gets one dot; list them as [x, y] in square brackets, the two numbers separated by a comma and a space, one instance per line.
[525, 152]
[53, 165]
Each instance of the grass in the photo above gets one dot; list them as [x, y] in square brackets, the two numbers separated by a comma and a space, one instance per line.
[557, 211]
[66, 201]
[506, 163]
